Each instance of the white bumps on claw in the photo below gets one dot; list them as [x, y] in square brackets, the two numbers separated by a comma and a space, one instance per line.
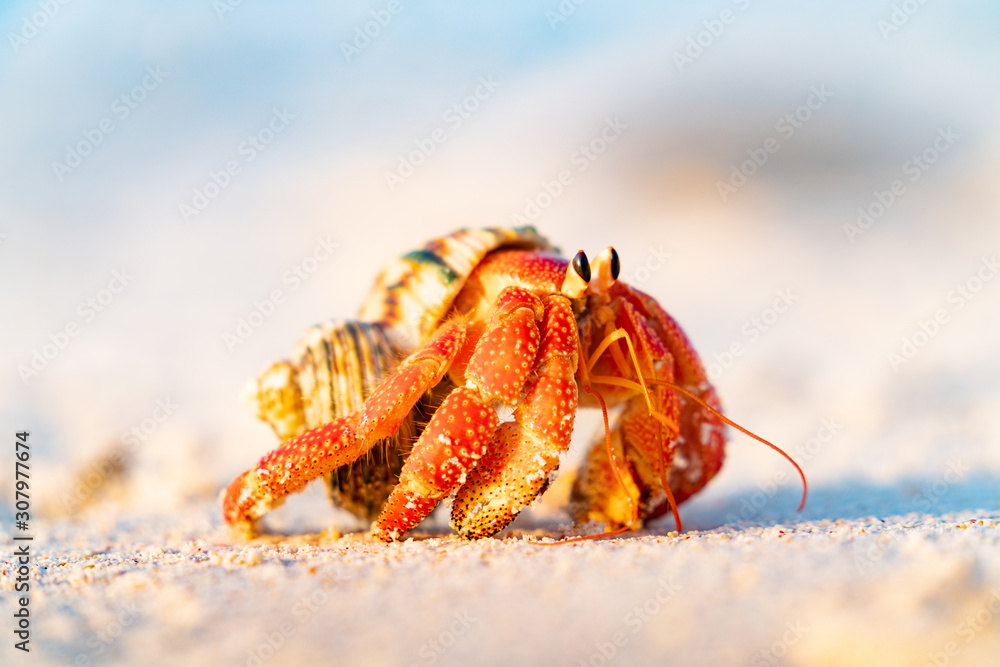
[539, 472]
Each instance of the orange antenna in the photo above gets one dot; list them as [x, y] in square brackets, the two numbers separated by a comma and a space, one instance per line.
[805, 484]
[644, 390]
[670, 499]
[622, 382]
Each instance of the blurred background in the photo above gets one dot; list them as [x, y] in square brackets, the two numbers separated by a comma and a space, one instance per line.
[810, 191]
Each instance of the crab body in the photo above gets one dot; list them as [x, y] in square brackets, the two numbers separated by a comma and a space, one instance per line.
[488, 318]
[337, 364]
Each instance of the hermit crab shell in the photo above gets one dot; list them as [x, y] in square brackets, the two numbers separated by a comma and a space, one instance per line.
[338, 363]
[412, 294]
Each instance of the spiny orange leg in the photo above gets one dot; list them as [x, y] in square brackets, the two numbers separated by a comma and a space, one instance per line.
[650, 447]
[690, 448]
[523, 453]
[702, 438]
[448, 448]
[460, 429]
[663, 474]
[651, 435]
[300, 460]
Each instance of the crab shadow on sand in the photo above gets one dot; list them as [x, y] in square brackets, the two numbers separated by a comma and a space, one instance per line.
[960, 491]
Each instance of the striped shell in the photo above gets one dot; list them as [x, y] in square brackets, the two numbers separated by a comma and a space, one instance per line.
[412, 294]
[338, 363]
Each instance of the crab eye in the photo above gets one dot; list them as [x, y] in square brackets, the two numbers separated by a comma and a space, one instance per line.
[582, 266]
[616, 266]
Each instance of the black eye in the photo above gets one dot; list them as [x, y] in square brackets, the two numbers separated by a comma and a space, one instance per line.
[582, 266]
[616, 265]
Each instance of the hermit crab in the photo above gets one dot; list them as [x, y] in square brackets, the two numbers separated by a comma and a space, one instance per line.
[399, 409]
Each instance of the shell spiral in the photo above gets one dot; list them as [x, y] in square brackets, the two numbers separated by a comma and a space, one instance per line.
[338, 363]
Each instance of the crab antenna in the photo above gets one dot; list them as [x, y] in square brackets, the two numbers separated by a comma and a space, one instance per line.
[663, 419]
[670, 500]
[608, 340]
[633, 510]
[805, 484]
[644, 390]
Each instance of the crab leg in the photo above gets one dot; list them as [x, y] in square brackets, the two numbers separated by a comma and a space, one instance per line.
[601, 495]
[645, 434]
[653, 429]
[598, 495]
[702, 435]
[300, 460]
[650, 439]
[524, 453]
[458, 433]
